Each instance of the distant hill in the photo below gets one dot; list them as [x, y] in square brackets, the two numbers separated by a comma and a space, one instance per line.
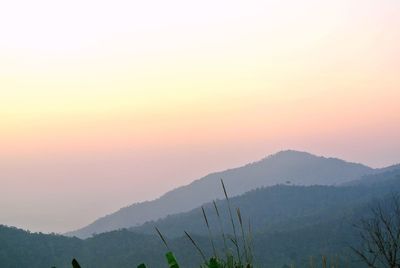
[389, 168]
[377, 177]
[19, 248]
[286, 167]
[281, 207]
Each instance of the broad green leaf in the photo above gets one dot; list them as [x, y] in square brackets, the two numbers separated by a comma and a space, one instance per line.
[172, 263]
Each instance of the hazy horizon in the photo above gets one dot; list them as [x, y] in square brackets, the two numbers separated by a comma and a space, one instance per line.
[103, 104]
[40, 219]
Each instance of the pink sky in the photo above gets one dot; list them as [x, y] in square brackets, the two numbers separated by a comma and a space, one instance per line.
[96, 113]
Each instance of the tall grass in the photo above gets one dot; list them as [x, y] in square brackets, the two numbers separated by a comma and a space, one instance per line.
[229, 260]
[209, 232]
[235, 238]
[221, 228]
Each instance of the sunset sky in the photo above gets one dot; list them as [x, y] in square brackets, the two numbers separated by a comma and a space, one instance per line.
[106, 103]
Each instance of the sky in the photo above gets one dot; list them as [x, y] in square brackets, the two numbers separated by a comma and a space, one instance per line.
[107, 103]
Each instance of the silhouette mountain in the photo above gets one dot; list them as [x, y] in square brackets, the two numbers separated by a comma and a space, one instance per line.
[285, 167]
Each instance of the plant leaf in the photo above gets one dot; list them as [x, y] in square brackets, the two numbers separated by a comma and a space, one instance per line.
[172, 263]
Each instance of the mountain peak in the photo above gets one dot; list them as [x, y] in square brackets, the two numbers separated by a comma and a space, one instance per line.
[300, 168]
[291, 153]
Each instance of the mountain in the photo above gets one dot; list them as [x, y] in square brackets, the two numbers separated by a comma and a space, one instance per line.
[280, 207]
[19, 248]
[297, 168]
[389, 168]
[377, 177]
[290, 224]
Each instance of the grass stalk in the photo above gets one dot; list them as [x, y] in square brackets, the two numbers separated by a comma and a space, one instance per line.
[209, 232]
[221, 227]
[196, 246]
[250, 241]
[232, 222]
[324, 262]
[162, 238]
[246, 254]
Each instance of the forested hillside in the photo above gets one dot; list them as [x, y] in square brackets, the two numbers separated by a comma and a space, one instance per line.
[290, 225]
[284, 207]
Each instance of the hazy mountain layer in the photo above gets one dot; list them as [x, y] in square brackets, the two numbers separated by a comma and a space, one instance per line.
[292, 167]
[281, 208]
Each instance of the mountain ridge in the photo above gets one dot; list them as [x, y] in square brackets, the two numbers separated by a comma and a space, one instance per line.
[287, 166]
[280, 206]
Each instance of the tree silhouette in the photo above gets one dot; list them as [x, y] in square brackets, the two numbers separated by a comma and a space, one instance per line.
[380, 235]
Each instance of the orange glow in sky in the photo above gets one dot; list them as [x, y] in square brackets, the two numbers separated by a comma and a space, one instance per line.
[106, 103]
